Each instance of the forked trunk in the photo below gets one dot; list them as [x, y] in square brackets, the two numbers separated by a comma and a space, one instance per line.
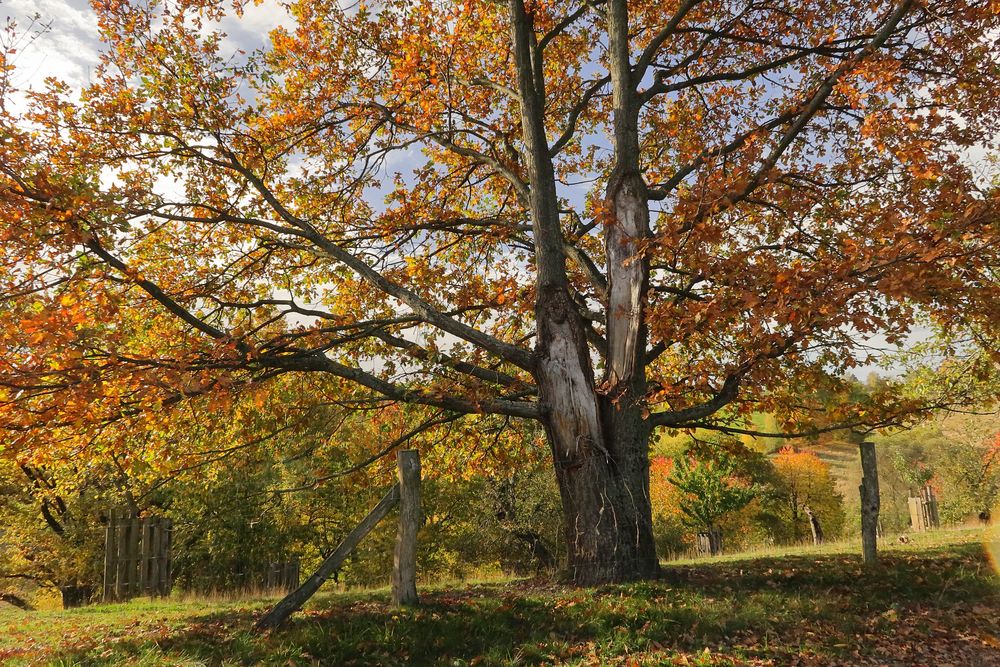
[600, 448]
[600, 451]
[598, 436]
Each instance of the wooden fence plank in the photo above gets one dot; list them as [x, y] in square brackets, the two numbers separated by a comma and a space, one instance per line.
[133, 556]
[166, 580]
[137, 556]
[110, 552]
[121, 556]
[154, 555]
[145, 528]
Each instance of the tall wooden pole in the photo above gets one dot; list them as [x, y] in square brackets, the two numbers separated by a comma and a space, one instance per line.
[404, 566]
[869, 503]
[110, 553]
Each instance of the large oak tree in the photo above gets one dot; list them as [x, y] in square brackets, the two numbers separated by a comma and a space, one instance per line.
[608, 216]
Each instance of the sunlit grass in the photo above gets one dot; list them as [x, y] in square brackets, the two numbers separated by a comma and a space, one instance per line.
[890, 543]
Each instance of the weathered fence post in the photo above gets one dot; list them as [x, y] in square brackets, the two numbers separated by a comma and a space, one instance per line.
[121, 558]
[167, 563]
[923, 510]
[156, 556]
[931, 507]
[145, 538]
[869, 502]
[294, 600]
[110, 553]
[404, 564]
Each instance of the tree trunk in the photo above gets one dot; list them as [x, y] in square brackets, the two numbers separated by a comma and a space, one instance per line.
[817, 529]
[604, 485]
[598, 436]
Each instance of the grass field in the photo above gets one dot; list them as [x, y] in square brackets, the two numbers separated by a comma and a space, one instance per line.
[932, 602]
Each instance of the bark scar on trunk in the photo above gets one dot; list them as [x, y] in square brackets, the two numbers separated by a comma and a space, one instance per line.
[628, 274]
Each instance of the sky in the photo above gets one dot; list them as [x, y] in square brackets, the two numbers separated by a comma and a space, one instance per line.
[70, 49]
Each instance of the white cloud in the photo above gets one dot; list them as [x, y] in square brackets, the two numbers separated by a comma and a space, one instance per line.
[68, 50]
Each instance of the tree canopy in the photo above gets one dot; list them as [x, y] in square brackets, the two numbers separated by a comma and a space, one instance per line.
[607, 216]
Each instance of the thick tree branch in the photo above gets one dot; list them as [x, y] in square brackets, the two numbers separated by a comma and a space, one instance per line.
[421, 308]
[322, 363]
[423, 354]
[642, 64]
[726, 395]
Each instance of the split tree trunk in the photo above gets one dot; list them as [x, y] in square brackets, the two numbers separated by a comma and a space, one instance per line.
[604, 486]
[598, 435]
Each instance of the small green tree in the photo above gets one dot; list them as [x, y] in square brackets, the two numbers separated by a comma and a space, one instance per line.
[714, 484]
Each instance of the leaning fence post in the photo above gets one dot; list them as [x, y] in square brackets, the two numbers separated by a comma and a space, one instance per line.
[291, 602]
[404, 564]
[869, 502]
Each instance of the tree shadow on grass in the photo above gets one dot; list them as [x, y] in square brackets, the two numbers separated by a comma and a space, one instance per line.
[818, 609]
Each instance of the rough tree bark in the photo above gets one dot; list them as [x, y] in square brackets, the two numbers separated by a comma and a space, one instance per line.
[404, 565]
[598, 436]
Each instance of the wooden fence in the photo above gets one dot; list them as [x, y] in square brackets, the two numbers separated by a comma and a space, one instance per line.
[924, 510]
[136, 556]
[709, 542]
[282, 576]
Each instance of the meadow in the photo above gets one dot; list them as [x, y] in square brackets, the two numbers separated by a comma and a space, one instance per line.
[932, 601]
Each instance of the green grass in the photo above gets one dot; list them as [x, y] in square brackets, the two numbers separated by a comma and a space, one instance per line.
[934, 602]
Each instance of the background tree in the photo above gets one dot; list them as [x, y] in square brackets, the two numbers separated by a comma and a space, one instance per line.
[628, 215]
[713, 484]
[671, 534]
[803, 481]
[253, 483]
[957, 454]
[969, 470]
[53, 520]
